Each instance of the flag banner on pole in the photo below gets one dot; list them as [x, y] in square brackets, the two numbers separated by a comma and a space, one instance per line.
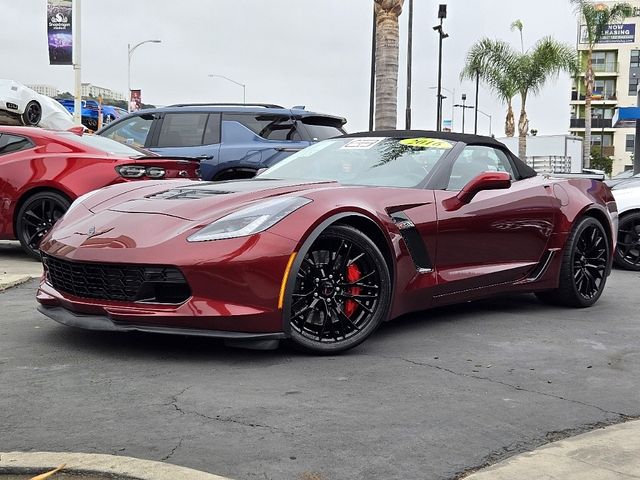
[135, 101]
[59, 32]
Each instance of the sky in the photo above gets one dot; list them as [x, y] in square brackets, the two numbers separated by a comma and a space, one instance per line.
[289, 52]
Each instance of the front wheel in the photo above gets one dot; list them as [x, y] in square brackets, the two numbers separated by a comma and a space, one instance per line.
[36, 217]
[585, 262]
[627, 254]
[32, 114]
[342, 292]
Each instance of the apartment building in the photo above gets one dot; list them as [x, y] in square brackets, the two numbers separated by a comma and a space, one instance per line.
[89, 90]
[42, 89]
[616, 64]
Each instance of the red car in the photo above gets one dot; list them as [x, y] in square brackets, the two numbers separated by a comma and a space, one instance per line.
[42, 172]
[327, 244]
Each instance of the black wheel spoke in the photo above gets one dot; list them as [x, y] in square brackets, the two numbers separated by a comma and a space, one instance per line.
[590, 261]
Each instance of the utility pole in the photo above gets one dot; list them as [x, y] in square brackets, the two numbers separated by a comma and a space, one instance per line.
[464, 107]
[475, 126]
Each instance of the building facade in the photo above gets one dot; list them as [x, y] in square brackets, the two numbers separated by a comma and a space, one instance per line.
[616, 65]
[89, 90]
[42, 89]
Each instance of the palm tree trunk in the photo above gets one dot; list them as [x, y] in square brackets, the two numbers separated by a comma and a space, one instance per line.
[387, 62]
[588, 84]
[523, 128]
[509, 123]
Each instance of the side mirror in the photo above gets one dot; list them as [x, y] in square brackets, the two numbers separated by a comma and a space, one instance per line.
[483, 181]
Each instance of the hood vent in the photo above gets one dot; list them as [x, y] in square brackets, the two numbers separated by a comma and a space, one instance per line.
[187, 194]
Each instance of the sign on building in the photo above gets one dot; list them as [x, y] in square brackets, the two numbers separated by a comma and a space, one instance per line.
[615, 33]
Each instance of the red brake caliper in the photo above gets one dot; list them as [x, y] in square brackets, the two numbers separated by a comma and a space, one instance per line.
[353, 275]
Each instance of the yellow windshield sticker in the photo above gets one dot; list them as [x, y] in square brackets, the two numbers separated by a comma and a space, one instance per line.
[426, 143]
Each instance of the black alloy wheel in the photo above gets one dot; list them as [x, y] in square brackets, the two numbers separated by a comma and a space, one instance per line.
[342, 292]
[36, 217]
[584, 268]
[32, 114]
[627, 254]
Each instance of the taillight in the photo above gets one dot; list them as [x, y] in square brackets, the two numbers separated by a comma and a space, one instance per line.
[138, 171]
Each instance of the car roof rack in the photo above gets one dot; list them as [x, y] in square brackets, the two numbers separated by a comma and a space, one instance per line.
[216, 104]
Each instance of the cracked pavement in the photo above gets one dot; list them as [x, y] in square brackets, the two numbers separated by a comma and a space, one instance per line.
[431, 395]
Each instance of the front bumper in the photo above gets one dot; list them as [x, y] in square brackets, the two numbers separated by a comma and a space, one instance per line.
[234, 284]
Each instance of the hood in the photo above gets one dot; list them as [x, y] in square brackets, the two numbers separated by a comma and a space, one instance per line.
[210, 200]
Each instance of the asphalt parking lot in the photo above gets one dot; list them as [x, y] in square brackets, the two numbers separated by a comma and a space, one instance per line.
[427, 397]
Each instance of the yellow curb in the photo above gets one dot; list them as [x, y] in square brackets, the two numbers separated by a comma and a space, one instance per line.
[8, 281]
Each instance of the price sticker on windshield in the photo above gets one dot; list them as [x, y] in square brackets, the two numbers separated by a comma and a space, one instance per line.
[364, 143]
[426, 143]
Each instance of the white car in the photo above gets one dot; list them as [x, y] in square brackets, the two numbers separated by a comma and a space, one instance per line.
[19, 105]
[627, 195]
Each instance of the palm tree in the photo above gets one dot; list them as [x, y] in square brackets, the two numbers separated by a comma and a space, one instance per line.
[527, 72]
[518, 25]
[596, 19]
[485, 58]
[387, 62]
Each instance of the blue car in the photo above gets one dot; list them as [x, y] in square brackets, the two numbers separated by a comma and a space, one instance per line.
[90, 109]
[231, 140]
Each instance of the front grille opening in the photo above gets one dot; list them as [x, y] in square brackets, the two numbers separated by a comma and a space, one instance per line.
[117, 282]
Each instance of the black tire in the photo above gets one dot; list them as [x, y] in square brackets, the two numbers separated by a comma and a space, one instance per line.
[32, 114]
[342, 292]
[585, 266]
[36, 216]
[627, 254]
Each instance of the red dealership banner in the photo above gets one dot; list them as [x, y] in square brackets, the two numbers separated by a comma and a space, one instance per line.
[135, 101]
[59, 33]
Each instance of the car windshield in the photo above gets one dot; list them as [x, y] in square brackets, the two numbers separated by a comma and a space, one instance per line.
[374, 161]
[105, 144]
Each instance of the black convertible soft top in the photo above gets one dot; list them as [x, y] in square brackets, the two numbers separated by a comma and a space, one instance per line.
[524, 170]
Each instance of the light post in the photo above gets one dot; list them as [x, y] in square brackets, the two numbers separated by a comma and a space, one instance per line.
[244, 87]
[130, 50]
[489, 116]
[453, 99]
[442, 14]
[464, 107]
[409, 62]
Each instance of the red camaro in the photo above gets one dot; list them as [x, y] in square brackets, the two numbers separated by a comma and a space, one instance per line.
[42, 172]
[325, 245]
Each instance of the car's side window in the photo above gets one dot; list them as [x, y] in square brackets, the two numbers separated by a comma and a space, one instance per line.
[474, 160]
[133, 131]
[13, 143]
[182, 129]
[212, 130]
[267, 126]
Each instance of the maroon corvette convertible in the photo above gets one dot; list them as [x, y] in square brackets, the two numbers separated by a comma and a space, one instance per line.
[324, 246]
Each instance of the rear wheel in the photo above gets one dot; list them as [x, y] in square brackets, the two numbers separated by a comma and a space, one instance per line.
[342, 292]
[627, 253]
[32, 114]
[585, 261]
[35, 218]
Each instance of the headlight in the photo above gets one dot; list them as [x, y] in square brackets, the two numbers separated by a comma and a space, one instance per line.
[249, 220]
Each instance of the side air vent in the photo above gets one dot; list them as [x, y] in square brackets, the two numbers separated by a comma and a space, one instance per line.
[414, 242]
[187, 194]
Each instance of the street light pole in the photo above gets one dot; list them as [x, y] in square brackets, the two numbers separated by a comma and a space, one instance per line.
[489, 116]
[372, 86]
[464, 106]
[442, 14]
[453, 100]
[475, 127]
[130, 51]
[244, 87]
[77, 102]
